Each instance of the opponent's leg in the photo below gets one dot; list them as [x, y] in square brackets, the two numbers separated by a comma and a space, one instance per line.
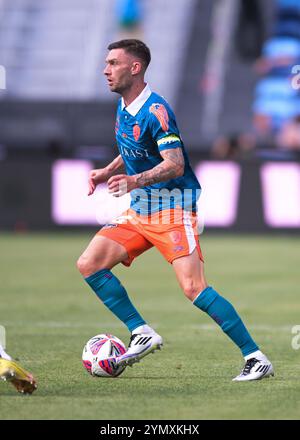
[21, 379]
[190, 274]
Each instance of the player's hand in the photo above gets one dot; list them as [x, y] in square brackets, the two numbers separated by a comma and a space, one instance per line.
[96, 177]
[121, 184]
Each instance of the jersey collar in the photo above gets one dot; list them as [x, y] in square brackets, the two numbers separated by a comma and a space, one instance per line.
[138, 103]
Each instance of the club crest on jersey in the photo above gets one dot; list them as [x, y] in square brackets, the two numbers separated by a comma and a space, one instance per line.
[160, 112]
[175, 236]
[136, 132]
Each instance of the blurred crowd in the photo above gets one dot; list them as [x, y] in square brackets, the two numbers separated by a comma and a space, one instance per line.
[129, 17]
[276, 103]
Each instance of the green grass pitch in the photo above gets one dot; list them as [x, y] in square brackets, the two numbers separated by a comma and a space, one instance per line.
[49, 313]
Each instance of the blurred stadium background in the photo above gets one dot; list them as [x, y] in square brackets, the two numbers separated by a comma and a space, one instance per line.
[231, 71]
[229, 68]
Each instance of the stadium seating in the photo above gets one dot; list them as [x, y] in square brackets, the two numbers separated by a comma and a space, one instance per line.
[274, 95]
[55, 50]
[52, 49]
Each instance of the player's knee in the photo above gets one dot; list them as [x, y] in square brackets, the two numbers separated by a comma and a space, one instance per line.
[192, 289]
[81, 264]
[87, 266]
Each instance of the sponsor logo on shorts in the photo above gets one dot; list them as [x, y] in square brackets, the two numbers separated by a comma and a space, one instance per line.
[178, 248]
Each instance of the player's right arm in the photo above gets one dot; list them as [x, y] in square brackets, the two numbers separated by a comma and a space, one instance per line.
[103, 174]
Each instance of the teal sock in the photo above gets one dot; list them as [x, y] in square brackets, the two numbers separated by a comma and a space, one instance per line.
[111, 292]
[223, 313]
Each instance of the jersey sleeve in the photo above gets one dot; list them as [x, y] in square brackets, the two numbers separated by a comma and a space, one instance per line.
[163, 127]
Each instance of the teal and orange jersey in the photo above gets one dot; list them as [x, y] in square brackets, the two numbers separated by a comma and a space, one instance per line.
[144, 129]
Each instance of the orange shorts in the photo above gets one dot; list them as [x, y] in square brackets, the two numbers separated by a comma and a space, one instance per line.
[173, 232]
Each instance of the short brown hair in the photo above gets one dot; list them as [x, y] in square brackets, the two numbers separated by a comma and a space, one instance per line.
[134, 47]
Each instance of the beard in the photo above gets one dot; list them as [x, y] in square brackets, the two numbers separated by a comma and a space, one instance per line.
[120, 87]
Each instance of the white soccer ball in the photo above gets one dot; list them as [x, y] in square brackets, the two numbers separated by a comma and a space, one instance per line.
[96, 354]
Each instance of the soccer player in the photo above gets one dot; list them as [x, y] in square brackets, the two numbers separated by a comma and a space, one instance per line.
[164, 192]
[10, 371]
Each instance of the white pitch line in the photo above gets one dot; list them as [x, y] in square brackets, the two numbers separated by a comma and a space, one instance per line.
[108, 324]
[258, 327]
[57, 324]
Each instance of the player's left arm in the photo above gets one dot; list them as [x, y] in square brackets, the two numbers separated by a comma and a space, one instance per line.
[171, 167]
